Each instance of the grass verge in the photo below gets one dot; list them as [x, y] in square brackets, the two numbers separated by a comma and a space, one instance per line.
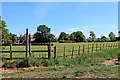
[86, 65]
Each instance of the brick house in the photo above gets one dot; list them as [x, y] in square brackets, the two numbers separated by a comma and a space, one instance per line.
[23, 38]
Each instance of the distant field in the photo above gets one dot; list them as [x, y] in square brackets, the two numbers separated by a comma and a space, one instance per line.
[60, 49]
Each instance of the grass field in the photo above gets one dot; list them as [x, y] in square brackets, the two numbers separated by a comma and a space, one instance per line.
[60, 49]
[83, 66]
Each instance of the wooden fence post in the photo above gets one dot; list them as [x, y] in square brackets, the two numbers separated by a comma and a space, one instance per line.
[72, 52]
[113, 45]
[64, 52]
[96, 47]
[11, 51]
[55, 52]
[92, 47]
[100, 46]
[30, 49]
[49, 51]
[110, 46]
[29, 45]
[42, 56]
[26, 42]
[103, 46]
[79, 51]
[39, 55]
[83, 48]
[88, 48]
[106, 46]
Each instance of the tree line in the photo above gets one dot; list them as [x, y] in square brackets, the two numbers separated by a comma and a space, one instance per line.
[43, 35]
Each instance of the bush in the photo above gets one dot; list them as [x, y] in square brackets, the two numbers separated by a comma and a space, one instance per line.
[24, 63]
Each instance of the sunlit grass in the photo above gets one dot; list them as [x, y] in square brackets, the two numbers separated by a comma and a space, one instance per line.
[60, 49]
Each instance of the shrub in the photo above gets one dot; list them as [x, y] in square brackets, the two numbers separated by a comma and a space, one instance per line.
[24, 63]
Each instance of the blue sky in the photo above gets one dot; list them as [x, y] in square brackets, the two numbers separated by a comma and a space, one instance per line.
[100, 17]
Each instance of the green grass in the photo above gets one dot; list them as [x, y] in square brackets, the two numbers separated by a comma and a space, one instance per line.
[70, 68]
[60, 49]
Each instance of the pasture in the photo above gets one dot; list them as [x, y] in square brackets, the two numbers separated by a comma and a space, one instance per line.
[62, 48]
[83, 66]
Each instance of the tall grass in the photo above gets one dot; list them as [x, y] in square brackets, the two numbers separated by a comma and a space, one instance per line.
[81, 60]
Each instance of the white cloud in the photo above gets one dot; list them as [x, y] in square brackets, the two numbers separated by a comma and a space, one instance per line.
[74, 30]
[71, 29]
[85, 27]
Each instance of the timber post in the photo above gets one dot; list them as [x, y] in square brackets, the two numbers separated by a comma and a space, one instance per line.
[27, 42]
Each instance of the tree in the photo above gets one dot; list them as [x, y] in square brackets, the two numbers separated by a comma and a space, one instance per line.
[77, 36]
[5, 34]
[14, 38]
[43, 30]
[112, 36]
[89, 39]
[51, 37]
[72, 37]
[41, 36]
[118, 33]
[103, 39]
[92, 34]
[7, 37]
[63, 36]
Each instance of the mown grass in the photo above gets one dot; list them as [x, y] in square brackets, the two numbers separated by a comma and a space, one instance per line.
[69, 68]
[60, 49]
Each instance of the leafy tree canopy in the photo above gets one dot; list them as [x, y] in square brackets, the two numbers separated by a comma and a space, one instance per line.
[92, 34]
[43, 34]
[77, 36]
[112, 36]
[63, 36]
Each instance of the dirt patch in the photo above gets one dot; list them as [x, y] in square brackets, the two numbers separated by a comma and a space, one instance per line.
[12, 70]
[110, 62]
[96, 75]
